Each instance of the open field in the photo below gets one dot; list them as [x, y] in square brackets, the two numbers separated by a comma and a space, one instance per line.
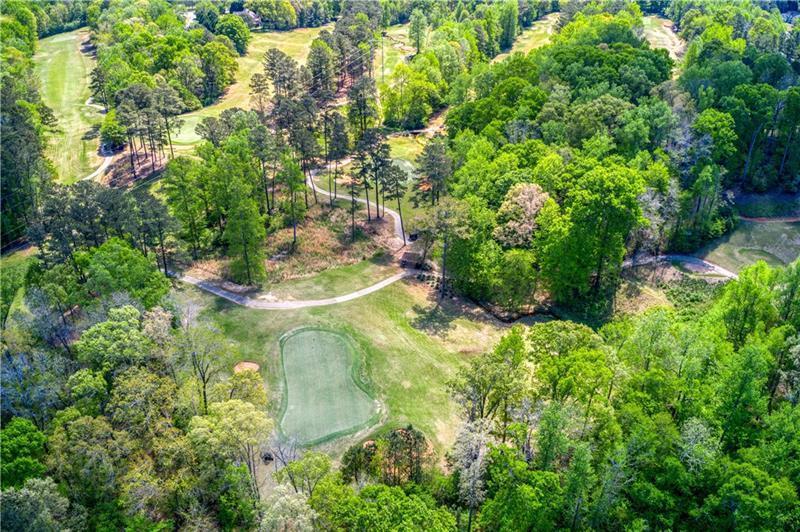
[658, 32]
[777, 243]
[323, 397]
[410, 348]
[537, 35]
[64, 72]
[294, 43]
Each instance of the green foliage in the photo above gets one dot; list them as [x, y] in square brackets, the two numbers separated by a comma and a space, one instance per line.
[21, 451]
[116, 267]
[234, 28]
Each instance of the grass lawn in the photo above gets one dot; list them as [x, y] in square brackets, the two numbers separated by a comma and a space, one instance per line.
[323, 397]
[294, 43]
[534, 37]
[64, 72]
[409, 349]
[777, 243]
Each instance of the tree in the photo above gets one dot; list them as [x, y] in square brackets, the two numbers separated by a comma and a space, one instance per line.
[233, 27]
[207, 14]
[305, 473]
[88, 391]
[435, 167]
[395, 189]
[116, 267]
[235, 430]
[320, 67]
[470, 456]
[509, 13]
[167, 102]
[201, 348]
[89, 457]
[447, 221]
[287, 510]
[293, 179]
[516, 219]
[185, 200]
[417, 28]
[246, 385]
[361, 108]
[582, 248]
[142, 403]
[21, 450]
[39, 505]
[245, 235]
[114, 344]
[338, 148]
[747, 302]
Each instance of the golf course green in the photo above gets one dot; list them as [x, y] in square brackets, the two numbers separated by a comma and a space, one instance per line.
[323, 397]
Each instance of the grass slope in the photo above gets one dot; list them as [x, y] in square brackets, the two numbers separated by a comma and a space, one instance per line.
[64, 72]
[294, 43]
[777, 243]
[323, 397]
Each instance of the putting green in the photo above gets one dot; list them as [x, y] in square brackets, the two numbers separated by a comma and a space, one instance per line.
[777, 243]
[323, 398]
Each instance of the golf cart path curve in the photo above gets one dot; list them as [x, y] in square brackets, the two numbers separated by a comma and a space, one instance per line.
[290, 305]
[106, 158]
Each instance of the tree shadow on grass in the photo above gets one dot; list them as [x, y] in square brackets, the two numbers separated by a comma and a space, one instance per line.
[435, 321]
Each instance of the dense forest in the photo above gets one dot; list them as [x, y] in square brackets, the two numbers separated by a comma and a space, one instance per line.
[542, 178]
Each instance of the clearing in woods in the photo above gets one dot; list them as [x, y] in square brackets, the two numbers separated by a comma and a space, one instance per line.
[64, 72]
[323, 397]
[294, 43]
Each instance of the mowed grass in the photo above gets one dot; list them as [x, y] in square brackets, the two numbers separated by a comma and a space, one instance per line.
[777, 243]
[64, 73]
[294, 43]
[658, 32]
[323, 398]
[410, 349]
[537, 35]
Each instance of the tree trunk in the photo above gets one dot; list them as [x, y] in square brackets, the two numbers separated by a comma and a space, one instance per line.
[785, 153]
[756, 133]
[444, 267]
[366, 195]
[400, 215]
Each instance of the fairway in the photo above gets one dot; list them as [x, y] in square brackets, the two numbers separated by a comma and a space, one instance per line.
[777, 243]
[294, 43]
[64, 72]
[322, 399]
[537, 35]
